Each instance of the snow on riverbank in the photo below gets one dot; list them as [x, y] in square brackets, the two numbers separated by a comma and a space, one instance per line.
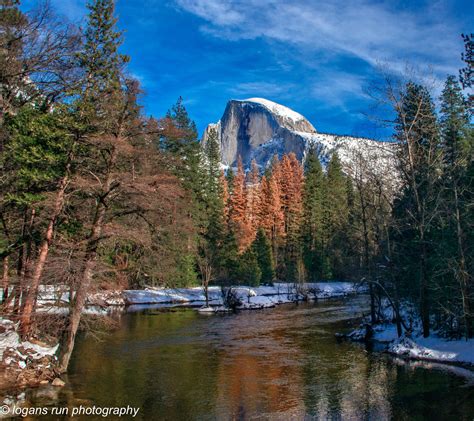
[24, 363]
[414, 346]
[434, 349]
[249, 297]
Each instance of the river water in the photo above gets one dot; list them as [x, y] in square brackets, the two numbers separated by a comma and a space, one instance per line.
[275, 364]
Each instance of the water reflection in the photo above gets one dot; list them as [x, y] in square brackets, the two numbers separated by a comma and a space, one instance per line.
[282, 363]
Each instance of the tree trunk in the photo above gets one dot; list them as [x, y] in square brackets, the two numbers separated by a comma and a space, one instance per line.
[206, 292]
[76, 311]
[5, 279]
[89, 264]
[25, 320]
[462, 273]
[24, 254]
[373, 318]
[395, 285]
[424, 306]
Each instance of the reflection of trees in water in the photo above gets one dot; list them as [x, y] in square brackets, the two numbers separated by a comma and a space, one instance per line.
[257, 373]
[250, 385]
[277, 364]
[150, 363]
[345, 384]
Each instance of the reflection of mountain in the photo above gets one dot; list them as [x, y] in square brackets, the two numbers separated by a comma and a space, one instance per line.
[258, 129]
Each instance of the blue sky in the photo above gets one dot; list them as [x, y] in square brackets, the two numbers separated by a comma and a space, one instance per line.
[317, 57]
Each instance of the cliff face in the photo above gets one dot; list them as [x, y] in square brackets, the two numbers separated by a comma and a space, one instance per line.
[258, 129]
[250, 128]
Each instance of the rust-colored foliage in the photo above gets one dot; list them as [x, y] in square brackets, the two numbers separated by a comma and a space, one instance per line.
[238, 220]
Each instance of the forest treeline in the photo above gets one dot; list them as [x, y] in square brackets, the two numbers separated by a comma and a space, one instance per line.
[97, 195]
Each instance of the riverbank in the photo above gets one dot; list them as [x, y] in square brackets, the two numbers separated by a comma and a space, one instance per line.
[412, 345]
[244, 297]
[54, 299]
[25, 363]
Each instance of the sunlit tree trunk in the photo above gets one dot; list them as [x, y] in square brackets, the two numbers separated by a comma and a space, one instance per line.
[32, 292]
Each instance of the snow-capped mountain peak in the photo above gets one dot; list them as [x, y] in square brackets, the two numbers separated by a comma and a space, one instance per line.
[257, 128]
[278, 109]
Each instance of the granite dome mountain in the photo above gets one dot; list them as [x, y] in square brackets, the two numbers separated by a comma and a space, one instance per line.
[257, 128]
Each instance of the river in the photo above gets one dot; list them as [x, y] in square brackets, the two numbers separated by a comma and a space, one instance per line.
[276, 364]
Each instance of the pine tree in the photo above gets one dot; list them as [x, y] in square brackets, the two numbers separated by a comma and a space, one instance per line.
[12, 21]
[210, 250]
[292, 187]
[212, 156]
[238, 220]
[253, 198]
[263, 252]
[419, 163]
[335, 217]
[248, 271]
[457, 140]
[454, 124]
[312, 227]
[180, 138]
[466, 74]
[225, 195]
[108, 105]
[230, 179]
[102, 64]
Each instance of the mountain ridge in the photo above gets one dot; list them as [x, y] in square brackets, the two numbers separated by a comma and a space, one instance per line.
[257, 128]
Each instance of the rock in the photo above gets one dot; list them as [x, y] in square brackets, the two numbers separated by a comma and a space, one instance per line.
[258, 129]
[44, 382]
[58, 382]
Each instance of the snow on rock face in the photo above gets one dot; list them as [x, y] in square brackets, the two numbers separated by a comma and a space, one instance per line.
[257, 128]
[283, 113]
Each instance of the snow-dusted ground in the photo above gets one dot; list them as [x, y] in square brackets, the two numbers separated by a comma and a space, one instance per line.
[250, 297]
[59, 295]
[10, 340]
[24, 363]
[434, 348]
[54, 299]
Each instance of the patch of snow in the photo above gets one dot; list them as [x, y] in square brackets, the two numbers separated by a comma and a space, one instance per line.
[414, 345]
[280, 292]
[277, 109]
[171, 295]
[38, 350]
[257, 302]
[9, 339]
[434, 349]
[207, 309]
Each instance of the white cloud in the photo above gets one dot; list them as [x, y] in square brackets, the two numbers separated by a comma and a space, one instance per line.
[332, 91]
[371, 31]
